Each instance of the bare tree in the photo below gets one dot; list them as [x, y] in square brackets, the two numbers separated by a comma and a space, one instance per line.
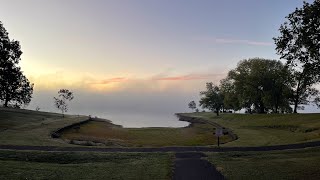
[60, 102]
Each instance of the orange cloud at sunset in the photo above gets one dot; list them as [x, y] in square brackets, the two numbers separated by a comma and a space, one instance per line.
[111, 80]
[106, 84]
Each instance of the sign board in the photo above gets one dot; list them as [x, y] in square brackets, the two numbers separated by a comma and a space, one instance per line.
[219, 132]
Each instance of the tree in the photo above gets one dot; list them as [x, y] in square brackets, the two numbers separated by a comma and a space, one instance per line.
[64, 95]
[299, 45]
[192, 105]
[15, 88]
[212, 98]
[230, 97]
[257, 83]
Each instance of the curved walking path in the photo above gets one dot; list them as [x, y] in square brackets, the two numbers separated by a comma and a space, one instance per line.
[188, 162]
[165, 149]
[190, 166]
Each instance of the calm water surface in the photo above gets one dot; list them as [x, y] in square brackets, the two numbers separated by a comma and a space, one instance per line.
[126, 109]
[145, 120]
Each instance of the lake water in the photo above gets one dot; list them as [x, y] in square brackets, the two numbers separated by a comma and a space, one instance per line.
[145, 120]
[128, 110]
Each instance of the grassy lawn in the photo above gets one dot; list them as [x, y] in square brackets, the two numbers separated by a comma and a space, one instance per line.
[108, 134]
[24, 127]
[80, 165]
[268, 129]
[293, 164]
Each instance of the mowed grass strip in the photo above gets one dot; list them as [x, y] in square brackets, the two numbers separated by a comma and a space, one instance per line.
[267, 129]
[13, 118]
[26, 127]
[104, 132]
[291, 164]
[81, 165]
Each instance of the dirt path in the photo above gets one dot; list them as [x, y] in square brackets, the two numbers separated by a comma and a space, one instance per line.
[165, 149]
[190, 166]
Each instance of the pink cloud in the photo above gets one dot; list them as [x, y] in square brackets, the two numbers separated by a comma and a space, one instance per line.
[235, 41]
[242, 41]
[189, 77]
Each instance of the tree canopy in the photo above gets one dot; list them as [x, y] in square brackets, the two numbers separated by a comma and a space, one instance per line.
[258, 85]
[211, 98]
[192, 105]
[15, 88]
[299, 45]
[261, 84]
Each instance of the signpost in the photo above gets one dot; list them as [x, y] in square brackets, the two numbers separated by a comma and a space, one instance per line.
[218, 133]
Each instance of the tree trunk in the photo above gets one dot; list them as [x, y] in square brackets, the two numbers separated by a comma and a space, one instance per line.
[261, 109]
[296, 101]
[217, 111]
[295, 105]
[6, 103]
[296, 98]
[6, 100]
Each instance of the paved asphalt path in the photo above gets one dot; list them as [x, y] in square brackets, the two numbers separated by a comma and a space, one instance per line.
[190, 166]
[188, 162]
[165, 149]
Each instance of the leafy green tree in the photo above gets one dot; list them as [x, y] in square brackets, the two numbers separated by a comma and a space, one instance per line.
[212, 98]
[229, 94]
[277, 87]
[299, 45]
[15, 88]
[60, 102]
[259, 83]
[192, 105]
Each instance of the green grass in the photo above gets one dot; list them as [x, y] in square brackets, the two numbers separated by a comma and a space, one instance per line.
[293, 164]
[81, 165]
[110, 135]
[268, 129]
[11, 118]
[25, 127]
[22, 127]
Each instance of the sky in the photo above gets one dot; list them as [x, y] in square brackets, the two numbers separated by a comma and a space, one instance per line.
[131, 54]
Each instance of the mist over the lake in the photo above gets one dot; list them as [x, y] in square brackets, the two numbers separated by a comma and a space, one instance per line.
[130, 109]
